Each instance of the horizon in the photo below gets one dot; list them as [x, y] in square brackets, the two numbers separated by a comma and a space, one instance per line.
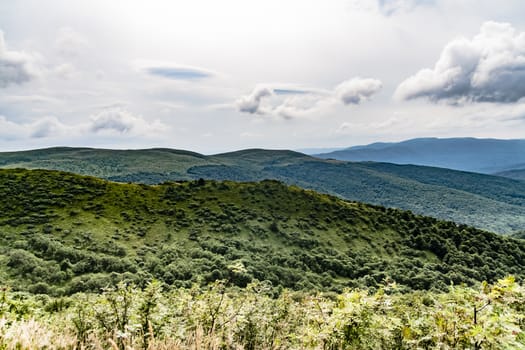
[306, 151]
[217, 77]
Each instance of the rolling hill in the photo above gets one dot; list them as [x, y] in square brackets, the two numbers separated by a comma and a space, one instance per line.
[490, 202]
[486, 156]
[63, 233]
[517, 174]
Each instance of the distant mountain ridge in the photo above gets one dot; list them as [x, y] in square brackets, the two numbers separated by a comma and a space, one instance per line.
[487, 156]
[490, 202]
[517, 174]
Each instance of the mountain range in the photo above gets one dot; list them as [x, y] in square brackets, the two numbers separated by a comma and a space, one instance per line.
[488, 156]
[489, 202]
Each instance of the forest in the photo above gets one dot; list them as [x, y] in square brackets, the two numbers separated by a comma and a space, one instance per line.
[92, 264]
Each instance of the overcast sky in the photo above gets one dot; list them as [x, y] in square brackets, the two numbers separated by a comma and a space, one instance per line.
[214, 76]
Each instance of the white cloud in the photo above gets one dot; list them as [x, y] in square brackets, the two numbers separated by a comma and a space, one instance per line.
[120, 121]
[290, 101]
[47, 127]
[82, 69]
[305, 106]
[41, 128]
[70, 42]
[114, 121]
[389, 7]
[345, 128]
[252, 103]
[250, 135]
[488, 68]
[351, 128]
[10, 130]
[65, 71]
[29, 99]
[508, 113]
[357, 90]
[15, 66]
[173, 70]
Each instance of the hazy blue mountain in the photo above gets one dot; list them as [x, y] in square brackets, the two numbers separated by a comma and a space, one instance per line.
[487, 156]
[517, 174]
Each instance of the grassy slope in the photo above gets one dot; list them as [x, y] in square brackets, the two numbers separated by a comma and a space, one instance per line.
[484, 201]
[63, 233]
[106, 163]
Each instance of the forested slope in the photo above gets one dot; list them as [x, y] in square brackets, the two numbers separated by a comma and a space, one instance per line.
[62, 233]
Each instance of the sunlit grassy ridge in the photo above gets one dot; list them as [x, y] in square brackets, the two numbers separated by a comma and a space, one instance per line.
[489, 202]
[63, 233]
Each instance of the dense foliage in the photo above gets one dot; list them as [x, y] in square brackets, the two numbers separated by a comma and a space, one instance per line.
[221, 317]
[62, 233]
[489, 202]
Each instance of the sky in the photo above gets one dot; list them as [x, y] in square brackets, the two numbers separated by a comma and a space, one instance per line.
[216, 76]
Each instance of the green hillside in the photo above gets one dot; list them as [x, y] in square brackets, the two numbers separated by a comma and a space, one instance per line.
[63, 233]
[488, 202]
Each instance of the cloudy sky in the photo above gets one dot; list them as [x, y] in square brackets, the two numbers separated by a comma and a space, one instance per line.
[214, 76]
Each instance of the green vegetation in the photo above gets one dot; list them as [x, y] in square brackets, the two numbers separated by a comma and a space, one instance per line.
[488, 202]
[92, 264]
[223, 317]
[63, 233]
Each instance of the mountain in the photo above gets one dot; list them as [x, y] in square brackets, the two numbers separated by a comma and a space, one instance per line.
[63, 233]
[318, 150]
[484, 201]
[486, 156]
[517, 174]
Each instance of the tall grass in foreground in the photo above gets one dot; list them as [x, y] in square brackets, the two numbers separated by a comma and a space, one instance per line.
[124, 317]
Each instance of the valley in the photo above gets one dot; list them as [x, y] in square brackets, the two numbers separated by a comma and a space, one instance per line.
[489, 202]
